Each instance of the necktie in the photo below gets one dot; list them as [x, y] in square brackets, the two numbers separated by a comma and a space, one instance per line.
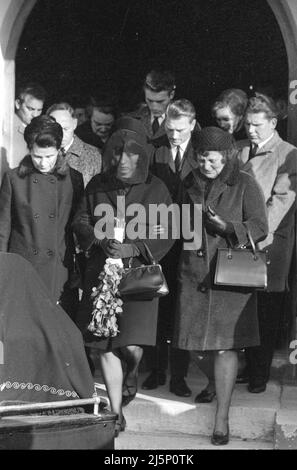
[253, 150]
[177, 160]
[155, 125]
[63, 152]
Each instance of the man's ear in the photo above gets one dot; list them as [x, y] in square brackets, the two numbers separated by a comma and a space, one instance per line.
[17, 103]
[274, 122]
[193, 124]
[74, 123]
[172, 93]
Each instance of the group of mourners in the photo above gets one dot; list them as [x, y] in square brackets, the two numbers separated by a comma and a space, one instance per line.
[239, 171]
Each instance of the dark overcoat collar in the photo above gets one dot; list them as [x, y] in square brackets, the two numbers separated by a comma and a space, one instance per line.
[27, 168]
[196, 183]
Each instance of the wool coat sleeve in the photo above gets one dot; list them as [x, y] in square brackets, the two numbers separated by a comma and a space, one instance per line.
[254, 213]
[82, 224]
[5, 212]
[283, 194]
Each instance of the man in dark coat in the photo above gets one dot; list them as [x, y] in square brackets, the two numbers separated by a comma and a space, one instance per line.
[159, 89]
[173, 160]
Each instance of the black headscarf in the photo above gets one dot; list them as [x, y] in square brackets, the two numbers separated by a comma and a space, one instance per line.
[129, 137]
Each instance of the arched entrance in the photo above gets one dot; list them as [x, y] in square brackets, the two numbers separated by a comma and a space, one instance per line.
[13, 15]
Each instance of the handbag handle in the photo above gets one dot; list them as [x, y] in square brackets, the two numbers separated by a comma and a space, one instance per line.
[255, 256]
[149, 255]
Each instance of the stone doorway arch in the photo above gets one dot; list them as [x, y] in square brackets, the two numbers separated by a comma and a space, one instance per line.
[14, 13]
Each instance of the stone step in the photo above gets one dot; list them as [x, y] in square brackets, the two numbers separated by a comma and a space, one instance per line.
[130, 440]
[252, 416]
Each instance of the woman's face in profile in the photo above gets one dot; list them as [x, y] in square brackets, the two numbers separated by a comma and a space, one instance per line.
[211, 164]
[226, 120]
[44, 158]
[127, 164]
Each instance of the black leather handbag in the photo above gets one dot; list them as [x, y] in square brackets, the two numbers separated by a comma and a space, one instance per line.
[143, 282]
[242, 267]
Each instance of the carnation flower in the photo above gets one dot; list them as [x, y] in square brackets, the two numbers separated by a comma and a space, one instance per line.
[106, 301]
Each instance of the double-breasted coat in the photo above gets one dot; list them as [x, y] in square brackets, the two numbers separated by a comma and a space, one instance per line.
[138, 323]
[274, 167]
[35, 213]
[211, 317]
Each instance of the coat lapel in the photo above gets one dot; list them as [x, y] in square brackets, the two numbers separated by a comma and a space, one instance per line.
[188, 162]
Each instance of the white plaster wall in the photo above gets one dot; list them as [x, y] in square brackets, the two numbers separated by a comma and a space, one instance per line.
[286, 14]
[13, 15]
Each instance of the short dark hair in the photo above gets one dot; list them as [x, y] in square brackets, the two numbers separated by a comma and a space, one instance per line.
[43, 131]
[159, 80]
[33, 89]
[63, 106]
[235, 98]
[261, 103]
[179, 108]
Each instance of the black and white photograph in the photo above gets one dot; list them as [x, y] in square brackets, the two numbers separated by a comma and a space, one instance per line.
[148, 262]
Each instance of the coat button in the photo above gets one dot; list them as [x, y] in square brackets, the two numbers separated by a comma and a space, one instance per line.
[35, 252]
[35, 180]
[52, 180]
[202, 288]
[49, 253]
[36, 216]
[51, 216]
[200, 253]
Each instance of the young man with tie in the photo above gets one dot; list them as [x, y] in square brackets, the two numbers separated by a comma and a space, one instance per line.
[159, 89]
[172, 161]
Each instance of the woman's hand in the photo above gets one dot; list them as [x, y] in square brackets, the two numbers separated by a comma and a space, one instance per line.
[217, 224]
[116, 249]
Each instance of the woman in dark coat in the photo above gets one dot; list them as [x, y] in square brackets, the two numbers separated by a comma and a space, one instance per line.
[125, 174]
[209, 317]
[36, 204]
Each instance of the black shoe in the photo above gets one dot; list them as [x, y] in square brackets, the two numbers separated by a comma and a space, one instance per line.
[154, 380]
[205, 396]
[257, 389]
[180, 388]
[242, 379]
[120, 426]
[129, 391]
[220, 439]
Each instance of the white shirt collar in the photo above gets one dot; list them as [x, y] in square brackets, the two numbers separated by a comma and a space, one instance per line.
[182, 147]
[160, 119]
[261, 144]
[67, 147]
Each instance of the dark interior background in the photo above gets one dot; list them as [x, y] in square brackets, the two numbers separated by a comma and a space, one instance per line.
[75, 47]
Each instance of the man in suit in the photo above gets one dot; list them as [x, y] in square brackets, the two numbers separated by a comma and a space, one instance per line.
[159, 89]
[272, 161]
[82, 157]
[173, 160]
[29, 103]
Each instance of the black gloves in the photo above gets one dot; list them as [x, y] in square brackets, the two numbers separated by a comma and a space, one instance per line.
[116, 249]
[215, 223]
